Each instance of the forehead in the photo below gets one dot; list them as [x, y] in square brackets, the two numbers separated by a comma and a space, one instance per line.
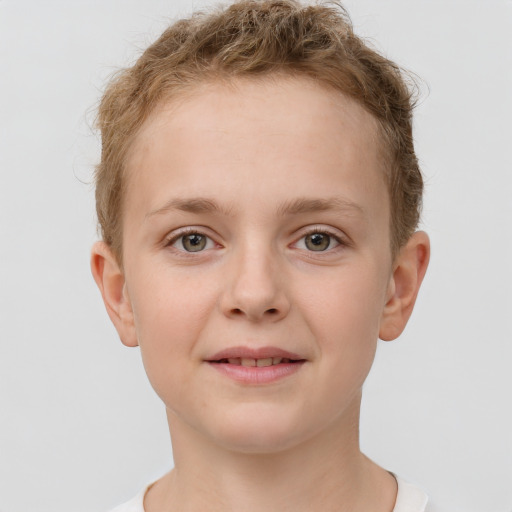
[288, 105]
[289, 132]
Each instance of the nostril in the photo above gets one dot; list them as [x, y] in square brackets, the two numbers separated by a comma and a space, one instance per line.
[267, 313]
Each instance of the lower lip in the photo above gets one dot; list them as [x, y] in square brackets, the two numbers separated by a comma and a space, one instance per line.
[257, 374]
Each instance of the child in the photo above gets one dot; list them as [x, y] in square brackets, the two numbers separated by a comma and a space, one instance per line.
[258, 195]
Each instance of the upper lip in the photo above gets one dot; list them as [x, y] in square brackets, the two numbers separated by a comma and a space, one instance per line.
[254, 353]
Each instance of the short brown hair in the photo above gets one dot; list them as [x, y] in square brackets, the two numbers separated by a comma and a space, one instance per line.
[255, 38]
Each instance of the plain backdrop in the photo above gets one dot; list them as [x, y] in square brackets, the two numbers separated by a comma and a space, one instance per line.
[81, 429]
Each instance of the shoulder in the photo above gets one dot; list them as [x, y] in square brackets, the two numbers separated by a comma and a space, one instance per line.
[411, 498]
[136, 504]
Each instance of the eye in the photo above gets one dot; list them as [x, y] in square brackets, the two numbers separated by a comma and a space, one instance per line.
[191, 242]
[318, 241]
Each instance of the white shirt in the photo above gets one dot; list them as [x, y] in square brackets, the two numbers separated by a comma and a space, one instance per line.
[409, 499]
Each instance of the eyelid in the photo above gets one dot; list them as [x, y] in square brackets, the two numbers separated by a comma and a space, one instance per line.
[176, 234]
[341, 239]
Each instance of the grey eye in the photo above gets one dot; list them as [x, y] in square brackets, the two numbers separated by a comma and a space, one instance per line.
[193, 242]
[317, 241]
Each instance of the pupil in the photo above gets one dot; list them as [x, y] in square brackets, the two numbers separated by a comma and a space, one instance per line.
[317, 242]
[193, 243]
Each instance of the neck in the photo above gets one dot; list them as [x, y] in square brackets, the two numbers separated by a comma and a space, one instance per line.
[327, 472]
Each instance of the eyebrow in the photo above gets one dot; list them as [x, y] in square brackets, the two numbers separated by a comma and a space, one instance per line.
[310, 205]
[191, 205]
[294, 207]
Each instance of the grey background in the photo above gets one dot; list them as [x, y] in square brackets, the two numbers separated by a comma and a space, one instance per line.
[80, 427]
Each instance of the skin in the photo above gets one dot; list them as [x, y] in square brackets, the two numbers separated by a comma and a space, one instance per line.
[281, 159]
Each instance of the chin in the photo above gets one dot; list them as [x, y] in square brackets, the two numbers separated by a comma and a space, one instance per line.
[255, 443]
[257, 432]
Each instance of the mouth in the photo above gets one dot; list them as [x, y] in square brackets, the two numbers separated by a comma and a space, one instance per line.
[260, 362]
[256, 366]
[259, 357]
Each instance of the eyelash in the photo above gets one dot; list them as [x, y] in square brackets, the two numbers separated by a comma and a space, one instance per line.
[170, 241]
[322, 231]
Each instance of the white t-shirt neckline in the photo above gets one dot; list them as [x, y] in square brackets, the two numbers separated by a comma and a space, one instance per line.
[409, 499]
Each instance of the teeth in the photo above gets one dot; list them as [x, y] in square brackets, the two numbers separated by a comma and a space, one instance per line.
[247, 361]
[264, 362]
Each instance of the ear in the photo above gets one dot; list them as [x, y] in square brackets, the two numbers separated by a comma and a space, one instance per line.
[408, 272]
[110, 280]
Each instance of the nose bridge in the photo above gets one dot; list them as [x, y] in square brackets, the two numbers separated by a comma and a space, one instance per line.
[256, 288]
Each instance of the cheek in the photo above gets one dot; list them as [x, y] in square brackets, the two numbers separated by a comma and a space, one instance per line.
[344, 317]
[347, 304]
[170, 315]
[168, 304]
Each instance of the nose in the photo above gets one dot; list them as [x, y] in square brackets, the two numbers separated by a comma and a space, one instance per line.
[255, 287]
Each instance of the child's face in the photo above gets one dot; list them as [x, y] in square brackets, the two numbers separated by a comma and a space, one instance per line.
[257, 218]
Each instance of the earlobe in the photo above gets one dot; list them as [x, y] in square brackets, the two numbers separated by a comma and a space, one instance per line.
[408, 273]
[111, 283]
